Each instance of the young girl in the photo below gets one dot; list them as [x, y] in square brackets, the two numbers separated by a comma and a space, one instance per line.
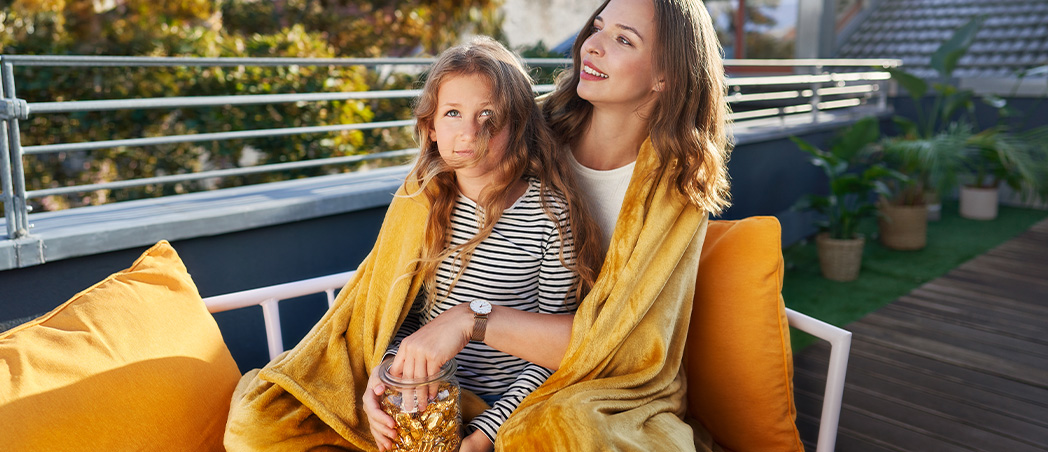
[503, 228]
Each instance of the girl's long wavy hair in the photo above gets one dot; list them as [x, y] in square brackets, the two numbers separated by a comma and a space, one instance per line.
[530, 152]
[688, 125]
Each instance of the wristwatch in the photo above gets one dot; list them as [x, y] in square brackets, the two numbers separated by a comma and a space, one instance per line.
[480, 309]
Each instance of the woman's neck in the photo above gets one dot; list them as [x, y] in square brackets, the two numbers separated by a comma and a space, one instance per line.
[610, 140]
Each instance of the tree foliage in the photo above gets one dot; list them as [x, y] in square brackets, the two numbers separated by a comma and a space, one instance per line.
[205, 28]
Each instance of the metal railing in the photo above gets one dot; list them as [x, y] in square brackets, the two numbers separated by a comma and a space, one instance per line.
[798, 88]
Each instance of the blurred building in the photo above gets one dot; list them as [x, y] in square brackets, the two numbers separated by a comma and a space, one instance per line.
[551, 22]
[1013, 37]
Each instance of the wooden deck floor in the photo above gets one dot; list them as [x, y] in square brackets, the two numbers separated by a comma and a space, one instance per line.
[960, 363]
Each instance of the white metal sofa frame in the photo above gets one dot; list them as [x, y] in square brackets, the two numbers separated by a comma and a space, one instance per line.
[268, 297]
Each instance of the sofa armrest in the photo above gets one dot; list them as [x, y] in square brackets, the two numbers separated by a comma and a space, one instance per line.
[840, 347]
[269, 296]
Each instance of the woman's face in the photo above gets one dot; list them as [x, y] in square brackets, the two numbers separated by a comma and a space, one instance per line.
[617, 60]
[464, 104]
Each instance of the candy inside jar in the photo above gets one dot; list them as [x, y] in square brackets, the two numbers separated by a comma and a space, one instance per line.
[426, 410]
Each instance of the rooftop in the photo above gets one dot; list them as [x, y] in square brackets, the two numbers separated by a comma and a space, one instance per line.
[1013, 37]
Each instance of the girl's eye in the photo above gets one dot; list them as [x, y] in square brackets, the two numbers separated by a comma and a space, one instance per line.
[624, 41]
[594, 29]
[452, 113]
[487, 113]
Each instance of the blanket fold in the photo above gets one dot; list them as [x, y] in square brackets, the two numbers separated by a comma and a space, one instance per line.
[310, 396]
[619, 387]
[620, 384]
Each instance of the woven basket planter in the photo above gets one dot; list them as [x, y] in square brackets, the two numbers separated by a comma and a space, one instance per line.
[839, 259]
[903, 227]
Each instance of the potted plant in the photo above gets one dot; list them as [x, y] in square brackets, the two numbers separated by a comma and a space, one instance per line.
[849, 198]
[933, 147]
[933, 164]
[1019, 160]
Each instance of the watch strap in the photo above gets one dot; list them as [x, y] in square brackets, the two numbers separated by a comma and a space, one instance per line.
[480, 326]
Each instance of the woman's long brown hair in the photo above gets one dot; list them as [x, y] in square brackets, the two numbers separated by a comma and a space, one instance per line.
[530, 152]
[688, 125]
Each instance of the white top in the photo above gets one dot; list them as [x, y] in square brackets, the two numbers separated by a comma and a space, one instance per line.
[603, 192]
[518, 266]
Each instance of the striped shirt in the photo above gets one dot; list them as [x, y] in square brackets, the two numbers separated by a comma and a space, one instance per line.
[517, 266]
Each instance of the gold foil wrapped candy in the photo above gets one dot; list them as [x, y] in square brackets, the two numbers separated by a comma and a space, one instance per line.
[432, 424]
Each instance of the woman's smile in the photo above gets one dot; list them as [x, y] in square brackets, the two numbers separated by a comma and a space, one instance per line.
[591, 73]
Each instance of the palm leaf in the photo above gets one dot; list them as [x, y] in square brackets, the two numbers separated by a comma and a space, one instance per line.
[945, 58]
[913, 84]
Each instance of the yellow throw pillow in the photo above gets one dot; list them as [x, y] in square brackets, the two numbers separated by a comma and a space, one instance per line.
[738, 359]
[133, 363]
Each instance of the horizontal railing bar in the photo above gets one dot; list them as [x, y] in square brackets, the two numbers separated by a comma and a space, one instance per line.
[854, 89]
[754, 114]
[794, 109]
[805, 108]
[77, 106]
[565, 62]
[843, 103]
[859, 76]
[738, 98]
[806, 78]
[132, 61]
[218, 173]
[217, 136]
[84, 60]
[836, 62]
[211, 101]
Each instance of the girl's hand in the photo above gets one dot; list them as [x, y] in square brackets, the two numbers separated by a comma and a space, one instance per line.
[476, 442]
[383, 427]
[423, 352]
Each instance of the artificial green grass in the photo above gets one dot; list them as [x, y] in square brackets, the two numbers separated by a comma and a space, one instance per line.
[888, 274]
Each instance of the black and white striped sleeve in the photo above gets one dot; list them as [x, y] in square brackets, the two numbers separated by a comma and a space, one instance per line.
[557, 282]
[489, 421]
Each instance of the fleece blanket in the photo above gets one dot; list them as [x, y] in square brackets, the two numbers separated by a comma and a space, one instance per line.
[620, 385]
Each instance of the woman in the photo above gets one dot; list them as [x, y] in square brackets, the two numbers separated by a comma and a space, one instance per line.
[642, 113]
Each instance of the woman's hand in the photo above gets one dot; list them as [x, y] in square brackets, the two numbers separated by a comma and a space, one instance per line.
[476, 442]
[383, 427]
[423, 352]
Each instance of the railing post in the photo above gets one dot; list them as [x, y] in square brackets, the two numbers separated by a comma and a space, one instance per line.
[10, 213]
[815, 99]
[882, 95]
[12, 173]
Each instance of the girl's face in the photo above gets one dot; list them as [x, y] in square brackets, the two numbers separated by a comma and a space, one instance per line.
[617, 60]
[464, 103]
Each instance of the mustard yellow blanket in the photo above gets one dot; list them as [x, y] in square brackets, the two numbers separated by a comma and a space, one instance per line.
[619, 387]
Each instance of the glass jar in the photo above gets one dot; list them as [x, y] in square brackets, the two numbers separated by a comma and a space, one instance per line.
[426, 410]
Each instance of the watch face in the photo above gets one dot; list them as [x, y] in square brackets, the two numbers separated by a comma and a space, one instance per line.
[480, 307]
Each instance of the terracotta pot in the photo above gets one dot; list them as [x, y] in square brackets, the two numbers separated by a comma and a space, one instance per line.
[903, 227]
[839, 259]
[979, 203]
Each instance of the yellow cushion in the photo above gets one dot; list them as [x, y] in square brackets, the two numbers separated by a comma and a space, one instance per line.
[738, 360]
[133, 363]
